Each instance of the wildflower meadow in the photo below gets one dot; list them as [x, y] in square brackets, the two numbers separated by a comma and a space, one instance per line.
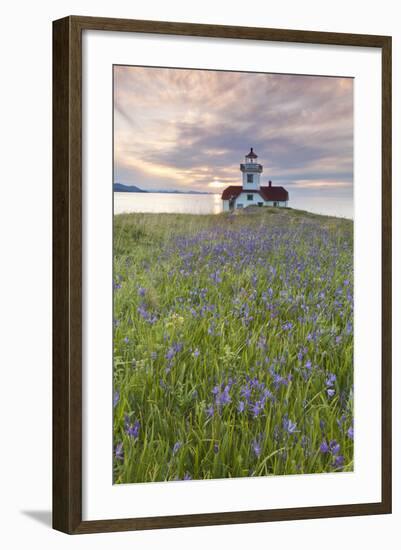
[233, 345]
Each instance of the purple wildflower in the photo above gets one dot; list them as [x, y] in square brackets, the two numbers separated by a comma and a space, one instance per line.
[241, 407]
[262, 343]
[146, 315]
[341, 420]
[116, 398]
[246, 392]
[334, 447]
[279, 380]
[301, 353]
[143, 312]
[216, 277]
[177, 347]
[267, 394]
[324, 448]
[331, 380]
[119, 452]
[256, 409]
[331, 392]
[177, 447]
[338, 461]
[133, 429]
[289, 426]
[256, 447]
[350, 432]
[223, 397]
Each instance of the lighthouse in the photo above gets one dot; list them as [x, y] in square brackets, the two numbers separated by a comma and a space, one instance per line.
[251, 192]
[251, 170]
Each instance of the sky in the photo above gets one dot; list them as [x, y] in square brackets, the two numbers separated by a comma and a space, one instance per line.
[187, 129]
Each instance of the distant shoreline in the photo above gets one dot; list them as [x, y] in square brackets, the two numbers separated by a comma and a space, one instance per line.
[122, 188]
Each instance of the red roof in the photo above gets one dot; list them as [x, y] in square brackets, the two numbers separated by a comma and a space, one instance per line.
[271, 193]
[274, 193]
[231, 192]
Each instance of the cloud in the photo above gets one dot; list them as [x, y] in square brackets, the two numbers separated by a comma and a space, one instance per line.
[185, 129]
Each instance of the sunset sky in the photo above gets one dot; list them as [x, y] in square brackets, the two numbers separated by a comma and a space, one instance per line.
[190, 129]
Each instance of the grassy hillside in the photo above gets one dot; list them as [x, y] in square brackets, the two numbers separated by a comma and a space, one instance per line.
[233, 345]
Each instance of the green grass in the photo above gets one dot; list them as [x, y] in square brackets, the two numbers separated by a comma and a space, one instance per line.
[251, 311]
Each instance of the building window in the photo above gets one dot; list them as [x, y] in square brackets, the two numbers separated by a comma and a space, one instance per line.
[240, 205]
[249, 197]
[249, 178]
[260, 203]
[275, 204]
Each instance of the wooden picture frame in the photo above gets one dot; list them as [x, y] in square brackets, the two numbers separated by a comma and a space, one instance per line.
[67, 273]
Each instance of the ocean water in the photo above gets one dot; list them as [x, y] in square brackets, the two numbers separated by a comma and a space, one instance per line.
[167, 202]
[212, 204]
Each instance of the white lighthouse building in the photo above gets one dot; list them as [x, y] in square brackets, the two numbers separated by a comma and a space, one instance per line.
[251, 192]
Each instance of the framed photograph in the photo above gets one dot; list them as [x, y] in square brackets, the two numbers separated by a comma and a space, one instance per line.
[222, 274]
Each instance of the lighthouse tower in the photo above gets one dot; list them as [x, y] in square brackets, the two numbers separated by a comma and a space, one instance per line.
[251, 171]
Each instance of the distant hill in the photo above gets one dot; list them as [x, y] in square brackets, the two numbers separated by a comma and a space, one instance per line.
[176, 192]
[121, 188]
